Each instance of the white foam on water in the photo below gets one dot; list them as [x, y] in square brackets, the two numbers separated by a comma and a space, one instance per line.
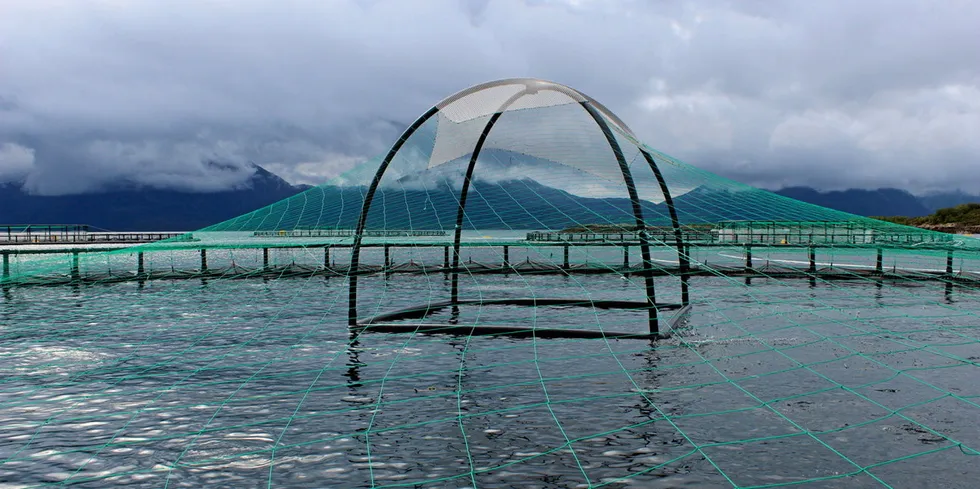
[131, 439]
[259, 437]
[48, 360]
[256, 461]
[358, 400]
[82, 426]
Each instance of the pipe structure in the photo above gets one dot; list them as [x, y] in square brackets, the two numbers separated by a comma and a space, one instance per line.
[461, 209]
[355, 256]
[637, 214]
[600, 115]
[683, 258]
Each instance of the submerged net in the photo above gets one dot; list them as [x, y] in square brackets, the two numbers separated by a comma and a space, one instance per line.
[758, 342]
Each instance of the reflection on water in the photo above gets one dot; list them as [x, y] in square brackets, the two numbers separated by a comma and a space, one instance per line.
[252, 383]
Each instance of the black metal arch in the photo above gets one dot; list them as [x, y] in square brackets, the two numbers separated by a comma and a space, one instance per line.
[641, 226]
[587, 104]
[683, 258]
[355, 254]
[461, 209]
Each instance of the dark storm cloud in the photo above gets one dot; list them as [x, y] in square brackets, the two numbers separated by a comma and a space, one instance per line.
[830, 93]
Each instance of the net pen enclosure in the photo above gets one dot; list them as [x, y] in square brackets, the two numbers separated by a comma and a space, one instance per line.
[518, 293]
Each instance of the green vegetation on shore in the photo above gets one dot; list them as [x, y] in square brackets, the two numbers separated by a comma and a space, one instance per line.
[964, 218]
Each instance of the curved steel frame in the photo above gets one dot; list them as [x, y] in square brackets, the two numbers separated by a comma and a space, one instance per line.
[683, 258]
[599, 114]
[641, 226]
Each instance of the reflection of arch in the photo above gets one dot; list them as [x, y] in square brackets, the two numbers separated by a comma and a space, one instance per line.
[527, 87]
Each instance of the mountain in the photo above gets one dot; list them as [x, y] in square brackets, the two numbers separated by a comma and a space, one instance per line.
[880, 202]
[512, 204]
[146, 209]
[943, 200]
[515, 204]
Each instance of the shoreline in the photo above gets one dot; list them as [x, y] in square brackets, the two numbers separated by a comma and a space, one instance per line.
[951, 228]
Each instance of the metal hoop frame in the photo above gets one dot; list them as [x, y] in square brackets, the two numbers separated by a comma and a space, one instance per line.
[601, 116]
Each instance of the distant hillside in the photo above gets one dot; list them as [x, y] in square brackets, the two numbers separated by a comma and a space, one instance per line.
[143, 209]
[963, 218]
[942, 200]
[880, 202]
[516, 204]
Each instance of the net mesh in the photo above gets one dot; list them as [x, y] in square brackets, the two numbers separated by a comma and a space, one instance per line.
[796, 345]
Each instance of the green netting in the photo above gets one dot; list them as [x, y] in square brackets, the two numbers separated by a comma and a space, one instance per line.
[812, 347]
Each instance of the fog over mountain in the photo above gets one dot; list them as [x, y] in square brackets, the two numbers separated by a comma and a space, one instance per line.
[831, 94]
[434, 206]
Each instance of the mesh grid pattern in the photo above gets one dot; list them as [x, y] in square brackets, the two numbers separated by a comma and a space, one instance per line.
[820, 349]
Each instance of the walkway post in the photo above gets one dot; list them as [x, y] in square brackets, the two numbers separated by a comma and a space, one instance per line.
[75, 273]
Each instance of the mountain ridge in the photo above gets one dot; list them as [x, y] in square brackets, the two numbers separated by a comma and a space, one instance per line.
[862, 202]
[128, 208]
[125, 207]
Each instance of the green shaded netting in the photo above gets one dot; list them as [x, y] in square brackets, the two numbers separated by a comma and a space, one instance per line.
[819, 347]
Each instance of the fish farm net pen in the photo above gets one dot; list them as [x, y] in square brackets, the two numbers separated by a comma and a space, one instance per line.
[518, 294]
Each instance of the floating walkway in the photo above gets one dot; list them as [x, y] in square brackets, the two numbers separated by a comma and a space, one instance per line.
[755, 232]
[740, 263]
[61, 234]
[772, 269]
[348, 233]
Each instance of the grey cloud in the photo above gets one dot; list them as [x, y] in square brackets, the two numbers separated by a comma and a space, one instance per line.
[833, 93]
[16, 161]
[201, 165]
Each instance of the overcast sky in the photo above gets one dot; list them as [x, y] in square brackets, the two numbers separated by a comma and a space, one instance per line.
[831, 94]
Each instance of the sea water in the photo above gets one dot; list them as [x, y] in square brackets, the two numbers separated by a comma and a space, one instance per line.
[249, 383]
